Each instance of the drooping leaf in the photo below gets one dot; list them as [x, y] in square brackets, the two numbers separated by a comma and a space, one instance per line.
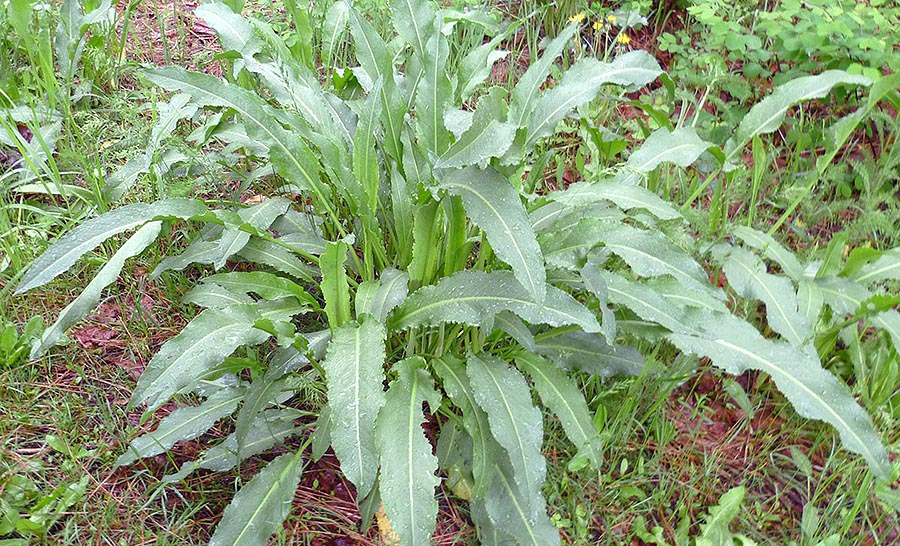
[261, 506]
[515, 423]
[625, 196]
[202, 344]
[279, 258]
[650, 254]
[183, 424]
[815, 393]
[474, 297]
[559, 393]
[335, 287]
[772, 249]
[214, 296]
[512, 513]
[748, 276]
[90, 296]
[485, 450]
[682, 147]
[266, 285]
[88, 235]
[767, 115]
[527, 91]
[268, 429]
[581, 83]
[408, 468]
[494, 206]
[588, 352]
[488, 136]
[234, 32]
[354, 375]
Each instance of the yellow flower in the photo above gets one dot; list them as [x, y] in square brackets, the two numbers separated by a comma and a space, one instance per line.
[598, 25]
[577, 18]
[623, 39]
[611, 18]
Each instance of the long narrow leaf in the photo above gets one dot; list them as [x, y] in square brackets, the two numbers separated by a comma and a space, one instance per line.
[88, 235]
[354, 375]
[494, 206]
[408, 468]
[261, 506]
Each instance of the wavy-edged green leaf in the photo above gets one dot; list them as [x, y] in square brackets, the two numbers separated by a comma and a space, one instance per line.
[842, 295]
[646, 303]
[414, 22]
[476, 66]
[682, 147]
[354, 374]
[515, 423]
[434, 94]
[334, 30]
[234, 32]
[261, 506]
[494, 206]
[625, 196]
[380, 297]
[650, 254]
[266, 285]
[594, 282]
[214, 296]
[183, 424]
[408, 480]
[771, 249]
[559, 393]
[815, 393]
[335, 288]
[201, 345]
[198, 252]
[290, 156]
[767, 115]
[270, 428]
[748, 276]
[263, 391]
[365, 157]
[527, 92]
[568, 247]
[259, 217]
[485, 451]
[90, 296]
[474, 297]
[716, 530]
[279, 258]
[512, 513]
[588, 352]
[889, 321]
[581, 83]
[487, 137]
[87, 236]
[516, 328]
[885, 267]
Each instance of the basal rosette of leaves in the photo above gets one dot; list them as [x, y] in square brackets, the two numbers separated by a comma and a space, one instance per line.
[424, 262]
